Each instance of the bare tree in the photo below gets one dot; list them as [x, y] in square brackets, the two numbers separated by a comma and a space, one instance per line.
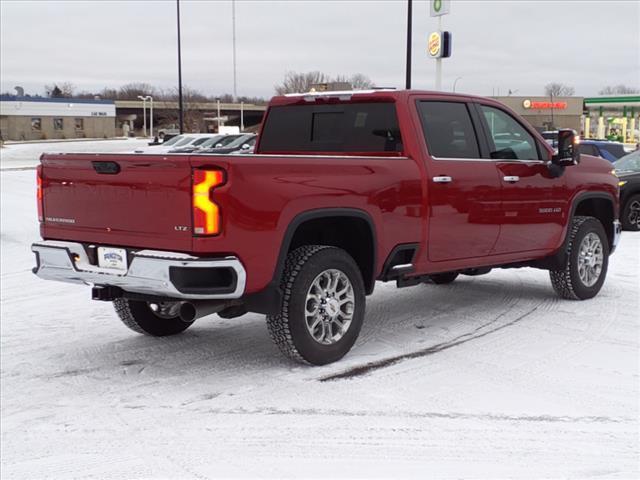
[358, 81]
[556, 89]
[295, 82]
[618, 90]
[130, 91]
[60, 90]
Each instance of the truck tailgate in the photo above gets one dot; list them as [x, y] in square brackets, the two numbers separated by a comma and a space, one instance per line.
[125, 200]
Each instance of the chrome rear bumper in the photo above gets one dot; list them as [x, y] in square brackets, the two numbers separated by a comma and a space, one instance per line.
[152, 272]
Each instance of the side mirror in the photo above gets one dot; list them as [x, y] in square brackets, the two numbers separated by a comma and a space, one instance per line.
[246, 146]
[568, 151]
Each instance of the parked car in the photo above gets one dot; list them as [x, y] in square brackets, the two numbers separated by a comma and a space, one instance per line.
[248, 150]
[345, 189]
[628, 171]
[199, 144]
[611, 151]
[242, 142]
[551, 137]
[176, 142]
[168, 131]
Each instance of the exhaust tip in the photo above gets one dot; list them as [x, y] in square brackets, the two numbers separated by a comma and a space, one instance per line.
[187, 312]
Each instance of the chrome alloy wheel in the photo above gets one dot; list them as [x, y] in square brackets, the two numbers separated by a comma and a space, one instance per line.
[329, 307]
[165, 309]
[590, 259]
[634, 213]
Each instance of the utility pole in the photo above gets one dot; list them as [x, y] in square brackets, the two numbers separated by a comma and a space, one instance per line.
[409, 22]
[439, 61]
[180, 71]
[233, 19]
[242, 116]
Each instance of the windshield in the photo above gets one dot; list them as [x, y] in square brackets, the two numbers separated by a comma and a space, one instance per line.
[210, 142]
[200, 141]
[629, 163]
[184, 141]
[173, 141]
[226, 140]
[239, 141]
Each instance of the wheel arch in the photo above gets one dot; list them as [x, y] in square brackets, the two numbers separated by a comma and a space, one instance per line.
[600, 205]
[305, 228]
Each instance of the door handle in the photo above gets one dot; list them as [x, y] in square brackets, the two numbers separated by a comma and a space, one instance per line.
[442, 179]
[511, 178]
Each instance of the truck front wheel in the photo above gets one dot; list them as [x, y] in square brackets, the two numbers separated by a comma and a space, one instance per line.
[587, 259]
[156, 319]
[322, 307]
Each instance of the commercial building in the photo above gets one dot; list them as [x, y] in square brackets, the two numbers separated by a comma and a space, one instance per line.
[198, 116]
[544, 113]
[38, 118]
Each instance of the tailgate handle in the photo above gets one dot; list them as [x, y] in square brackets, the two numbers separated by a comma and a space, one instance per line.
[108, 168]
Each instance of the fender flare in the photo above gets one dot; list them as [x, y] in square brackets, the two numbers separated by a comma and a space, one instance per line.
[558, 258]
[314, 214]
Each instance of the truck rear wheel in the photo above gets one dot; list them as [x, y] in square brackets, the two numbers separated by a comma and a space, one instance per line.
[586, 263]
[322, 307]
[156, 319]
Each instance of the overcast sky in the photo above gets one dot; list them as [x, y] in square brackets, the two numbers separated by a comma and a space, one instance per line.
[503, 44]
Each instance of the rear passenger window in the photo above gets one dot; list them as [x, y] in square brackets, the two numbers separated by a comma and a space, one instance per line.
[350, 127]
[448, 130]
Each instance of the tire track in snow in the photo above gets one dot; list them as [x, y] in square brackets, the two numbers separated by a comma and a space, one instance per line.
[417, 414]
[462, 339]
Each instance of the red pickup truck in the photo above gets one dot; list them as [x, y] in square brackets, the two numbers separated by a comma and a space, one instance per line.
[345, 189]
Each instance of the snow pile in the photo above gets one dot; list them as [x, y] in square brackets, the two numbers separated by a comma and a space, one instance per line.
[25, 155]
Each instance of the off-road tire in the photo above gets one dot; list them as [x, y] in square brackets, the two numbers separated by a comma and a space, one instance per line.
[566, 281]
[443, 278]
[627, 224]
[288, 329]
[141, 319]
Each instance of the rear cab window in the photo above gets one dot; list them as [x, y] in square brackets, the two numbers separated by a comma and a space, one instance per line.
[334, 128]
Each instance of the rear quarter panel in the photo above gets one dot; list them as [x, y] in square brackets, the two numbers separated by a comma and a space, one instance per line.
[264, 193]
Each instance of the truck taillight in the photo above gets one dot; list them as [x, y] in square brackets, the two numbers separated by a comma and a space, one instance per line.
[39, 192]
[206, 213]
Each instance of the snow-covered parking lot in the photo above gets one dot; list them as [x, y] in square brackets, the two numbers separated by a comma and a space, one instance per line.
[492, 376]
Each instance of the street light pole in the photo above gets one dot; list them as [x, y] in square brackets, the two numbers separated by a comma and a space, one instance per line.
[233, 20]
[151, 113]
[455, 82]
[179, 70]
[144, 115]
[218, 105]
[409, 22]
